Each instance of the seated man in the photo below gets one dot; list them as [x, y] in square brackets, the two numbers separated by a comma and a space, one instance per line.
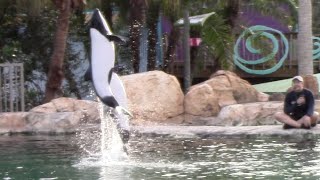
[298, 111]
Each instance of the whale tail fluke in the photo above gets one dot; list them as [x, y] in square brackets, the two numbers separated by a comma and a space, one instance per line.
[125, 111]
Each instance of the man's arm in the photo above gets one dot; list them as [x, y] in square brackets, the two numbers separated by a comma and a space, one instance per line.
[310, 104]
[288, 106]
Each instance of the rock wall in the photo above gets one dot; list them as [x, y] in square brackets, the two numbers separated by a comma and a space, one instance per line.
[224, 88]
[63, 115]
[156, 98]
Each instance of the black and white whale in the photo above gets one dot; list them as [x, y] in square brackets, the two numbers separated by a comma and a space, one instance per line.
[107, 84]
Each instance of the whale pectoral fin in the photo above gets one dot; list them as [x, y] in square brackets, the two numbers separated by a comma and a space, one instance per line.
[117, 39]
[126, 112]
[87, 75]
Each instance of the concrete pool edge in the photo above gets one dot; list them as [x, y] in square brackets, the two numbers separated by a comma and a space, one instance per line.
[184, 131]
[265, 130]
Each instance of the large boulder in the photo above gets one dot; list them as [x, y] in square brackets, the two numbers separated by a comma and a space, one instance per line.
[222, 89]
[62, 115]
[153, 96]
[204, 100]
[13, 122]
[311, 82]
[59, 122]
[242, 90]
[88, 109]
[247, 114]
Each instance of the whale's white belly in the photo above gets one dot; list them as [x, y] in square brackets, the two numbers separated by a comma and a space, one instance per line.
[102, 61]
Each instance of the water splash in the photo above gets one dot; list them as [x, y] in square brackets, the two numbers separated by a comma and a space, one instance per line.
[111, 144]
[101, 145]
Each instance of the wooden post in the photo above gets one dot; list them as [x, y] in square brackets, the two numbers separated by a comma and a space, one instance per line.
[11, 87]
[187, 68]
[22, 86]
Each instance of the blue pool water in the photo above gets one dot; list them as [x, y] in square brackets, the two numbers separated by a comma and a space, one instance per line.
[61, 157]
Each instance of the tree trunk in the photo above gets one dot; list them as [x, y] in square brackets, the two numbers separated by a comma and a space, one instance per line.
[106, 8]
[152, 38]
[305, 46]
[137, 22]
[70, 78]
[232, 9]
[171, 50]
[186, 48]
[305, 63]
[152, 20]
[55, 74]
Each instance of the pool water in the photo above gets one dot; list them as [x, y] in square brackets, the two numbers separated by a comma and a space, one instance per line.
[224, 157]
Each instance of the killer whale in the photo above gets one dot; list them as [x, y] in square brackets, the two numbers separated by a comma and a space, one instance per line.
[107, 84]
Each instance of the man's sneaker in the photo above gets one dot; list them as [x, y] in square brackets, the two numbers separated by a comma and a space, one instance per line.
[305, 127]
[286, 126]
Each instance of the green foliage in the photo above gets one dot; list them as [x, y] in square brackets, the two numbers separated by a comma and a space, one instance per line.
[32, 98]
[217, 35]
[284, 10]
[172, 9]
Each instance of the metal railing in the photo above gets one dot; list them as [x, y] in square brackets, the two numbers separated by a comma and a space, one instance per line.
[11, 87]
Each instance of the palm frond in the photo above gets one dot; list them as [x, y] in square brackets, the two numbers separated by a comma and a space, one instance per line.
[284, 10]
[171, 8]
[217, 35]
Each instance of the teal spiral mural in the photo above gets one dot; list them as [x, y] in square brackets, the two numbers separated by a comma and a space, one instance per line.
[249, 36]
[316, 50]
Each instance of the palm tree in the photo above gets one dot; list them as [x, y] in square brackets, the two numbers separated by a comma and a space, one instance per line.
[55, 74]
[171, 9]
[137, 22]
[186, 35]
[153, 11]
[33, 8]
[305, 63]
[305, 46]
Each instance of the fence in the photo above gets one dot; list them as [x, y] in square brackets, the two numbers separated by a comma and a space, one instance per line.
[11, 87]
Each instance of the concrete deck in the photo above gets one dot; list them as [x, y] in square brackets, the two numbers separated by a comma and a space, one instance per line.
[211, 131]
[187, 131]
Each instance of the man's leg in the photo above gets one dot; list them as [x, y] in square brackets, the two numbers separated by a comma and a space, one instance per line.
[305, 121]
[314, 118]
[282, 117]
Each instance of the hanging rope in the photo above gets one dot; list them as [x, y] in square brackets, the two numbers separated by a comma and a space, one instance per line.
[251, 34]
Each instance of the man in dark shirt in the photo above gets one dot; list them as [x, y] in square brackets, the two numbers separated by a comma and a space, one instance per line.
[298, 111]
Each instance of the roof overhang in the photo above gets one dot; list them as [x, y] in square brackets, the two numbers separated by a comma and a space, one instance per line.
[196, 20]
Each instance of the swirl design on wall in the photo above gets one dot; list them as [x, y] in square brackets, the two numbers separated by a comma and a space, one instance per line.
[316, 49]
[248, 36]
